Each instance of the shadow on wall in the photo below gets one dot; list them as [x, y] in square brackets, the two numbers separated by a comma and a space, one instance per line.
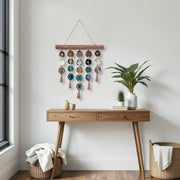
[161, 100]
[163, 88]
[161, 128]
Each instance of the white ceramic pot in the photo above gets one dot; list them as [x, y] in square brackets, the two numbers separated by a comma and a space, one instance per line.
[120, 103]
[65, 105]
[131, 100]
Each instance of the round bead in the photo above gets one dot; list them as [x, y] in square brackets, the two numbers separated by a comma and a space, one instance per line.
[70, 61]
[88, 53]
[97, 69]
[97, 53]
[79, 62]
[97, 61]
[88, 69]
[79, 86]
[61, 54]
[61, 70]
[88, 77]
[61, 62]
[70, 76]
[79, 54]
[79, 77]
[70, 53]
[70, 68]
[88, 61]
[79, 69]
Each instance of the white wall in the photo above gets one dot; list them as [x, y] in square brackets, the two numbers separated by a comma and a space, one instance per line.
[9, 158]
[132, 31]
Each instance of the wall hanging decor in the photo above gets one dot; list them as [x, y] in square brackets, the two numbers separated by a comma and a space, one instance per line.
[70, 68]
[97, 62]
[61, 64]
[75, 66]
[79, 77]
[88, 68]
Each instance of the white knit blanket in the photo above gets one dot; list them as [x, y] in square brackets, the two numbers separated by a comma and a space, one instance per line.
[45, 153]
[163, 156]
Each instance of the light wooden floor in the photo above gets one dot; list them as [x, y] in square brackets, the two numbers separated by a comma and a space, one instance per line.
[91, 175]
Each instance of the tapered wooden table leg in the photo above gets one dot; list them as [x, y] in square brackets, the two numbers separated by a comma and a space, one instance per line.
[58, 144]
[138, 147]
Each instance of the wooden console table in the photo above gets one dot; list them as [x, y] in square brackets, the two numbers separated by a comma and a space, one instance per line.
[99, 115]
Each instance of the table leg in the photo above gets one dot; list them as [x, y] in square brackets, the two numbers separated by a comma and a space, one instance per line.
[61, 134]
[58, 144]
[138, 147]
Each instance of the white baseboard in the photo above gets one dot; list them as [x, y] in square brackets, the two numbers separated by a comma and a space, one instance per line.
[7, 172]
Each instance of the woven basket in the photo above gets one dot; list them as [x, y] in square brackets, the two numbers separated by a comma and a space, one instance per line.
[173, 171]
[36, 171]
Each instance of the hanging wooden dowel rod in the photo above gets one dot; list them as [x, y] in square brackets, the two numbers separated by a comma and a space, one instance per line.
[79, 46]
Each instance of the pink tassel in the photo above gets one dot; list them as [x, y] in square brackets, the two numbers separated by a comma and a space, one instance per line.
[96, 78]
[69, 84]
[78, 95]
[88, 85]
[61, 79]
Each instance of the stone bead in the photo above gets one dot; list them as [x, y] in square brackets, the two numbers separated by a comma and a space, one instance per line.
[70, 61]
[70, 76]
[61, 54]
[61, 62]
[79, 86]
[88, 77]
[88, 53]
[70, 68]
[88, 61]
[79, 62]
[97, 69]
[97, 53]
[79, 77]
[88, 69]
[97, 61]
[79, 54]
[70, 53]
[79, 69]
[61, 70]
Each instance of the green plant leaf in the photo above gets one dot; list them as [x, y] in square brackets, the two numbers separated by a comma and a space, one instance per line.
[122, 67]
[133, 67]
[115, 68]
[144, 77]
[141, 82]
[142, 71]
[131, 75]
[116, 72]
[141, 65]
[116, 76]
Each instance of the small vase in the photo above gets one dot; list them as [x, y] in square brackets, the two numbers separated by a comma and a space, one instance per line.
[120, 103]
[132, 100]
[65, 105]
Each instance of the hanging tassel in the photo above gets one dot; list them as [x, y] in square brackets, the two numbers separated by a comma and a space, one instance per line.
[96, 78]
[69, 84]
[88, 85]
[78, 95]
[61, 78]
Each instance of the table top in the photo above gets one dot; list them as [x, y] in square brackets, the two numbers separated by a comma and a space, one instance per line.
[95, 110]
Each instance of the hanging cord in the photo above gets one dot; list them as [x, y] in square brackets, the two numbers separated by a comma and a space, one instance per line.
[79, 21]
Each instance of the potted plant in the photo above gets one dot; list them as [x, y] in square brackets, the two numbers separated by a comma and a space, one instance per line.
[130, 77]
[121, 98]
